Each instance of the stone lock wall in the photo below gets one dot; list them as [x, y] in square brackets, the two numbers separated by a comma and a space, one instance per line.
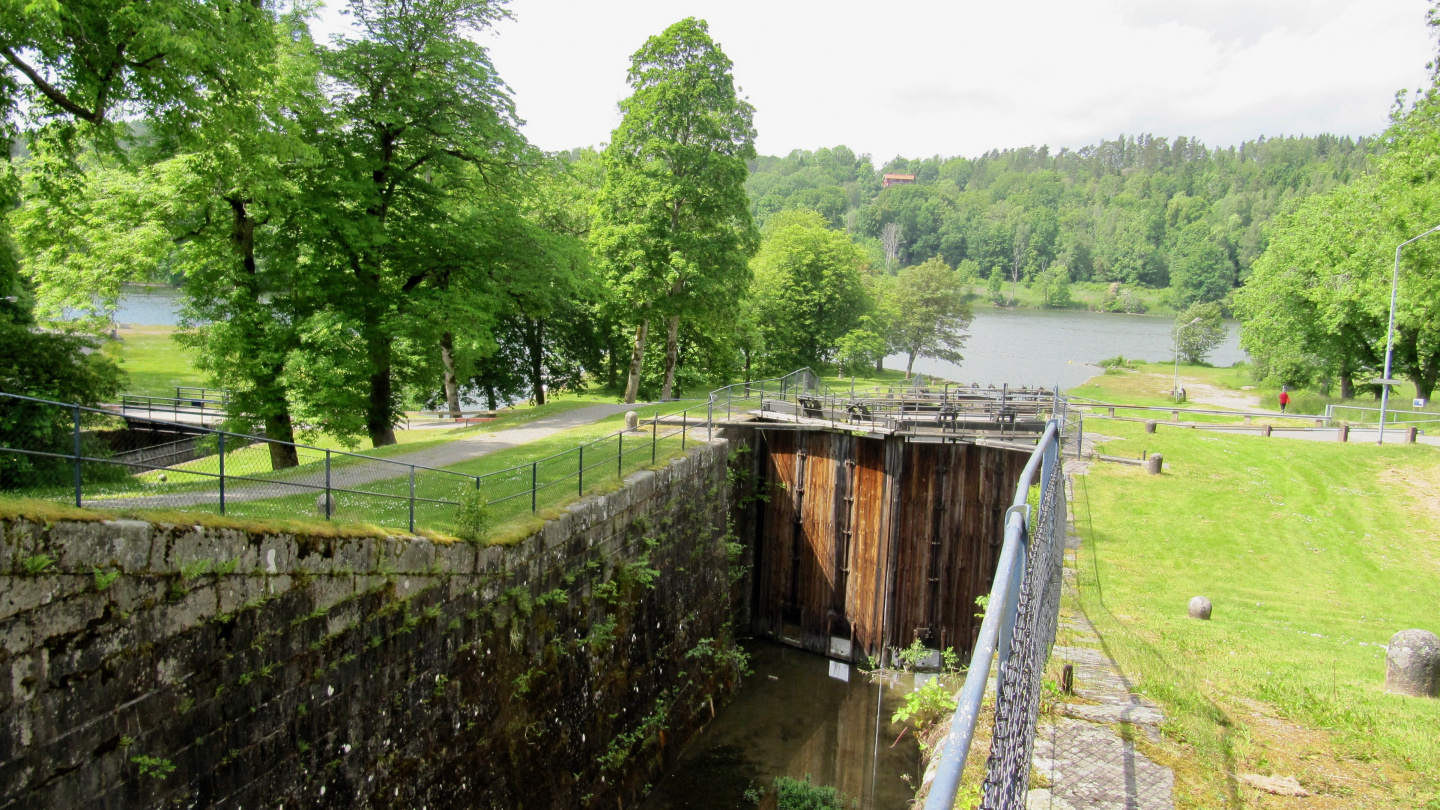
[152, 665]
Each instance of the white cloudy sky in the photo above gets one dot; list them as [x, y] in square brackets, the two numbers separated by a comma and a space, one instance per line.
[924, 77]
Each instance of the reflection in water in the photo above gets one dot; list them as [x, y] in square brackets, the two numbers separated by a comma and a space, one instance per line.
[792, 718]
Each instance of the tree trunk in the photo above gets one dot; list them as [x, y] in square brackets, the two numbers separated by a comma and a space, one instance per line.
[270, 395]
[379, 409]
[637, 356]
[880, 365]
[1347, 385]
[490, 395]
[909, 364]
[535, 348]
[747, 354]
[279, 428]
[612, 359]
[452, 388]
[672, 347]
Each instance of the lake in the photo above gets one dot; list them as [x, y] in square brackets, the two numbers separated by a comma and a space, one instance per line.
[1049, 347]
[1016, 346]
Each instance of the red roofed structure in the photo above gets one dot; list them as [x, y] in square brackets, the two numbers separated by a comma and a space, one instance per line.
[898, 179]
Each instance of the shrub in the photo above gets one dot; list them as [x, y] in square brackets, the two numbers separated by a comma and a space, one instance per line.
[793, 794]
[473, 518]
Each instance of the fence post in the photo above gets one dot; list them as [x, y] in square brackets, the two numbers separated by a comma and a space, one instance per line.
[654, 435]
[221, 435]
[77, 454]
[328, 496]
[682, 431]
[534, 482]
[412, 498]
[620, 454]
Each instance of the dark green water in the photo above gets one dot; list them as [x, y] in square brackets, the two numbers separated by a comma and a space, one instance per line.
[792, 718]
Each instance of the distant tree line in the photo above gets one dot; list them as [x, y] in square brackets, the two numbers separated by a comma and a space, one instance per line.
[1141, 210]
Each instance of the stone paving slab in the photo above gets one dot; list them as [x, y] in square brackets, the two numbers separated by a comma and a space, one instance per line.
[1079, 751]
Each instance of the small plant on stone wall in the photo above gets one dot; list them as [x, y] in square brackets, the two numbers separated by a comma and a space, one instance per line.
[154, 766]
[473, 518]
[38, 564]
[104, 579]
[926, 706]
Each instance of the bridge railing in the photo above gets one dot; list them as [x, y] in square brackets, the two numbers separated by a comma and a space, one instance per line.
[1015, 636]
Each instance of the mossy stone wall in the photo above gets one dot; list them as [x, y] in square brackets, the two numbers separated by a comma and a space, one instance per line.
[151, 665]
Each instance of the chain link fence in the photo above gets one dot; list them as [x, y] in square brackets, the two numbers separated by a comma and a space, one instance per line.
[130, 457]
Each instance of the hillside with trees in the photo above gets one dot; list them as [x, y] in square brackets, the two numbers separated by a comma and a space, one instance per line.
[1144, 211]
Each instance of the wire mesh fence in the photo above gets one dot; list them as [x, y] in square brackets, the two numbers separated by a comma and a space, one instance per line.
[1017, 699]
[123, 457]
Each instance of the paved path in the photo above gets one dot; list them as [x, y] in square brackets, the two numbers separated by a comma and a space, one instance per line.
[355, 473]
[1088, 764]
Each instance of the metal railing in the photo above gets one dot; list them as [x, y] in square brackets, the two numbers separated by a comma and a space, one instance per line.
[101, 458]
[1019, 627]
[204, 411]
[1370, 415]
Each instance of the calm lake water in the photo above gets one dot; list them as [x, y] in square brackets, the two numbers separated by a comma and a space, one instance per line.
[1046, 347]
[1020, 347]
[798, 714]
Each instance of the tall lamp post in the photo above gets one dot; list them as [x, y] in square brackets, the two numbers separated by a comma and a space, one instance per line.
[1176, 392]
[1385, 381]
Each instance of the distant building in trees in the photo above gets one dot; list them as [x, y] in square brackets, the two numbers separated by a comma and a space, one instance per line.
[898, 179]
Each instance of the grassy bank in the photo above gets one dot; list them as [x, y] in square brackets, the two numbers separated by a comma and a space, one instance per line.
[153, 362]
[1084, 295]
[1314, 554]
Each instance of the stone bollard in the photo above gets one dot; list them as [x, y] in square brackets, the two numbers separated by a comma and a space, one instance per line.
[1200, 608]
[1150, 426]
[320, 504]
[1410, 435]
[1265, 431]
[632, 420]
[1344, 434]
[1153, 464]
[1412, 664]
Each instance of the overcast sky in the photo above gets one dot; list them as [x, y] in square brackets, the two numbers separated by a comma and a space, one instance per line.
[925, 77]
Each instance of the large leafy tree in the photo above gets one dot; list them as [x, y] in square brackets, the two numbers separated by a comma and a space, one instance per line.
[808, 290]
[673, 228]
[1317, 301]
[420, 124]
[928, 314]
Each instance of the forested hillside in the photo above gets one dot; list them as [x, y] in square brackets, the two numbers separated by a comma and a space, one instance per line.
[1136, 210]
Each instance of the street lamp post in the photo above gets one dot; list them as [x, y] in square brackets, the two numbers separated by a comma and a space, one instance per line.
[1385, 381]
[1176, 391]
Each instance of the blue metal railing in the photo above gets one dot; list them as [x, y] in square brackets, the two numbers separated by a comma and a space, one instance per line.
[1021, 556]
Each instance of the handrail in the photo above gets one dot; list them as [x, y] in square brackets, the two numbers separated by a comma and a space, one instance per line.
[999, 616]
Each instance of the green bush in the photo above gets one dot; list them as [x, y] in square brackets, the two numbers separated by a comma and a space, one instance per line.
[793, 794]
[473, 518]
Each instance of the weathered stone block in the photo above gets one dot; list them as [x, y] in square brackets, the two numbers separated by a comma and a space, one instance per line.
[1412, 664]
[81, 547]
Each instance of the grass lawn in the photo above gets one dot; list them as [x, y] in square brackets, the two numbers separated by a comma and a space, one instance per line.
[1314, 554]
[154, 362]
[1085, 295]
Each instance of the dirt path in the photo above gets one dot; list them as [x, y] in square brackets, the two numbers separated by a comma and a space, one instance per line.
[1202, 393]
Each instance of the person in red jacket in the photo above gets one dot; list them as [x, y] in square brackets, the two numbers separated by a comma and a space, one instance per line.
[1284, 399]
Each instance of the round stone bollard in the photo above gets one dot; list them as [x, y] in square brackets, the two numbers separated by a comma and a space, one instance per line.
[632, 420]
[1150, 426]
[1412, 664]
[320, 504]
[1200, 608]
[1154, 463]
